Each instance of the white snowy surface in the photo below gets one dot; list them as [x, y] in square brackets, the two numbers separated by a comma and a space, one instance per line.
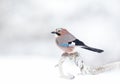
[37, 70]
[27, 53]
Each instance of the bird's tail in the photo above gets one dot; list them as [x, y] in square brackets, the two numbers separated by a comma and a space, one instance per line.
[93, 49]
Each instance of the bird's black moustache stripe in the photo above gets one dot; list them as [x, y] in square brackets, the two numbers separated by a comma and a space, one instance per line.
[58, 33]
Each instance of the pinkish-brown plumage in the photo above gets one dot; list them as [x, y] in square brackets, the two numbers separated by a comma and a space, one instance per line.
[65, 37]
[67, 42]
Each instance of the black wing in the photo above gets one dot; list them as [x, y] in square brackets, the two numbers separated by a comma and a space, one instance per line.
[80, 43]
[77, 42]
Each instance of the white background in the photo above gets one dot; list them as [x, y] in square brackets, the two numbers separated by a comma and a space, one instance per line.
[27, 49]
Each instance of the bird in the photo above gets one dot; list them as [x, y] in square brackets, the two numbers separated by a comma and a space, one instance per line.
[67, 42]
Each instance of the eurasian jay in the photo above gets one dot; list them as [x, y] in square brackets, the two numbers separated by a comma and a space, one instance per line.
[67, 42]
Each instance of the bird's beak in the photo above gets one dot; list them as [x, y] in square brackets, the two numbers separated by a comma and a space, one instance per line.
[56, 33]
[53, 32]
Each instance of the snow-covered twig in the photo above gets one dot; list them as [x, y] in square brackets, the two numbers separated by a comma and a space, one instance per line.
[84, 69]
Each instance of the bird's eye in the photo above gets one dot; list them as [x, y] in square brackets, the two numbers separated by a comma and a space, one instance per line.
[58, 30]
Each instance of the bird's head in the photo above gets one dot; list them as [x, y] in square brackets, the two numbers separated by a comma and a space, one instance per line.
[60, 31]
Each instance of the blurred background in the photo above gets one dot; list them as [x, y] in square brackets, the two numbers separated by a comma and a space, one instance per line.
[25, 27]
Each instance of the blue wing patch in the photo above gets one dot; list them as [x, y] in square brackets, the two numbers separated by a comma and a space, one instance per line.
[64, 45]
